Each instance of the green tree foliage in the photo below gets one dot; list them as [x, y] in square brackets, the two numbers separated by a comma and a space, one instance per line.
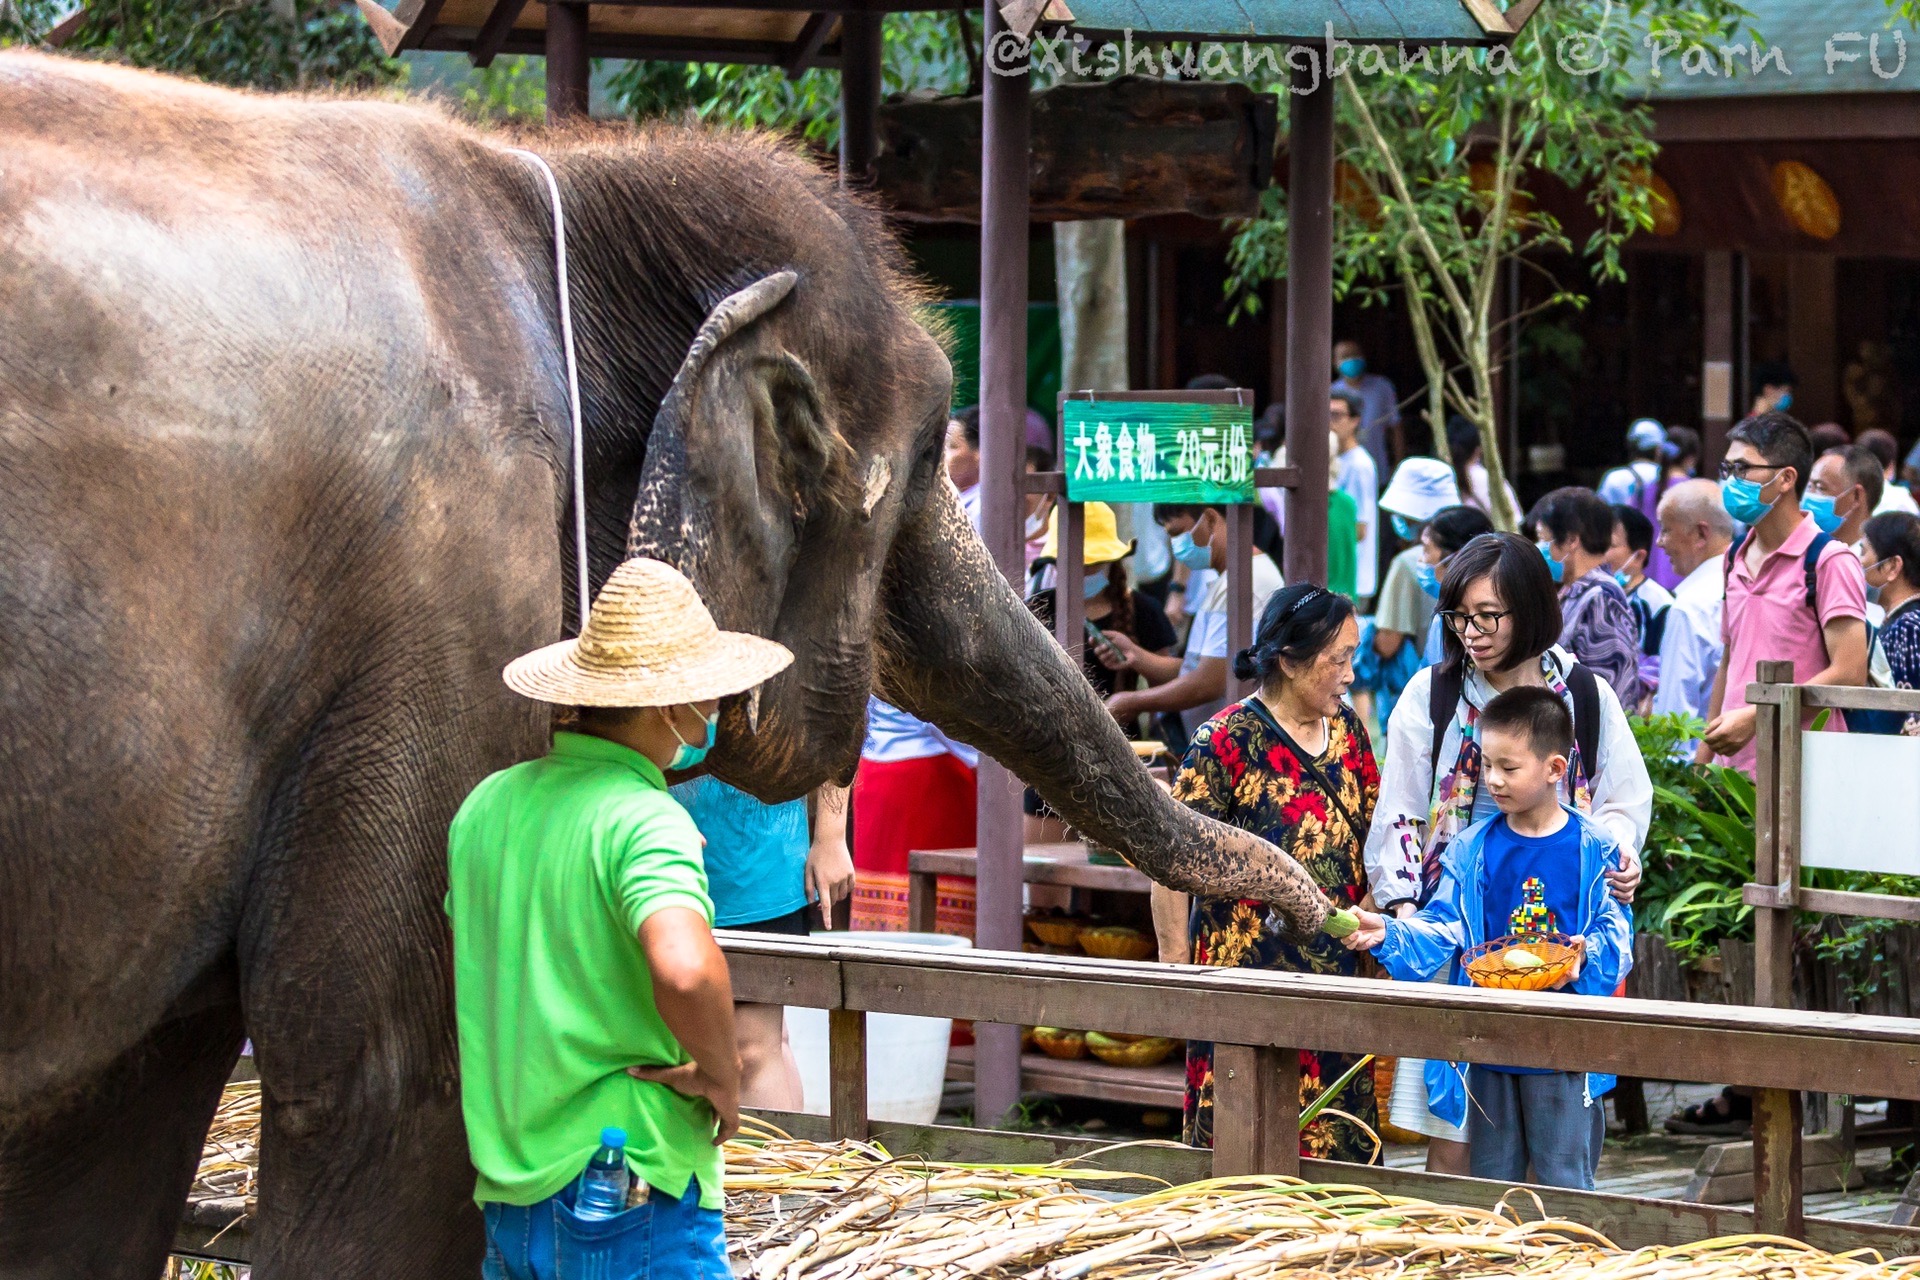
[1437, 152]
[286, 44]
[921, 52]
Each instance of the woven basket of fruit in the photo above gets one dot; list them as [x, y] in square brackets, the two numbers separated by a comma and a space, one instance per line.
[1055, 930]
[1521, 962]
[1059, 1042]
[1116, 942]
[1130, 1051]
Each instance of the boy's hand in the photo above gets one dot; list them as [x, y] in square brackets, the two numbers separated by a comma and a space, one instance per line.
[690, 1081]
[1371, 933]
[1579, 962]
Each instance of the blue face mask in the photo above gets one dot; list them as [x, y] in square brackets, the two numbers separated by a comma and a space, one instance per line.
[1352, 368]
[1409, 530]
[687, 755]
[1820, 507]
[1624, 578]
[1095, 583]
[1554, 567]
[1428, 576]
[1191, 554]
[1784, 403]
[1742, 500]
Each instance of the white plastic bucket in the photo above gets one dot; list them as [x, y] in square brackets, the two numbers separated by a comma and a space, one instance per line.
[906, 1057]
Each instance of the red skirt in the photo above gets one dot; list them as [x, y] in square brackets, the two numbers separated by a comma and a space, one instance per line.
[899, 807]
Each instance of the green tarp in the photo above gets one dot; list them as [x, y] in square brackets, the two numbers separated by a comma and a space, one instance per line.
[1043, 353]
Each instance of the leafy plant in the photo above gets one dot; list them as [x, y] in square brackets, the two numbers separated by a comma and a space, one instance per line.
[1700, 842]
[288, 44]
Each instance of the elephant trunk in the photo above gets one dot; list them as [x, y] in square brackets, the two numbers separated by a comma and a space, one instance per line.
[959, 648]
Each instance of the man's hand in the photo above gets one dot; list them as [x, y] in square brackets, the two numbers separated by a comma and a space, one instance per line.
[1624, 881]
[1730, 731]
[829, 873]
[1176, 608]
[690, 1081]
[1119, 651]
[1124, 705]
[1579, 962]
[1371, 933]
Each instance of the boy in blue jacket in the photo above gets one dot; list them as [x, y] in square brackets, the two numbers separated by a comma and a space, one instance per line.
[1536, 867]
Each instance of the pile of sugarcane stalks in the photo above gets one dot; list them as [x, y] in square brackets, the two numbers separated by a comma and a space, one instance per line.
[851, 1211]
[799, 1211]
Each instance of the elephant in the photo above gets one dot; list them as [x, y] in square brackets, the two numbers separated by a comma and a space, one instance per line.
[284, 431]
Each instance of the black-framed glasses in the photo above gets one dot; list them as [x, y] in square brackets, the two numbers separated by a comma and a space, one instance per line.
[1741, 470]
[1483, 623]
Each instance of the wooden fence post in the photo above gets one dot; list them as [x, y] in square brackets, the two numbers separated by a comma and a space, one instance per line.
[1256, 1110]
[1777, 1206]
[847, 1073]
[1777, 779]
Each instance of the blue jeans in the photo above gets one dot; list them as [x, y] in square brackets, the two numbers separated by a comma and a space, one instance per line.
[658, 1240]
[1543, 1119]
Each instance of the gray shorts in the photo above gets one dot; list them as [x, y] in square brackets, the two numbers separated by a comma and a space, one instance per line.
[1543, 1120]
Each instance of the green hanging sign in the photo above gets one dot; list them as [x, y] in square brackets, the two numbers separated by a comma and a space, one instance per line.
[1157, 451]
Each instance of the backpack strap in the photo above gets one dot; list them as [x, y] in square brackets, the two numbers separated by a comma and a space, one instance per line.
[1811, 563]
[1584, 685]
[1443, 698]
[1656, 631]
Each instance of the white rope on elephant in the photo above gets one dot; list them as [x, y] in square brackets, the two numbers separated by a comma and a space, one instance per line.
[573, 375]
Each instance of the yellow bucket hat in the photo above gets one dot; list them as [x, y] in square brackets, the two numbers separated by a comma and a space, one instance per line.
[1103, 545]
[649, 642]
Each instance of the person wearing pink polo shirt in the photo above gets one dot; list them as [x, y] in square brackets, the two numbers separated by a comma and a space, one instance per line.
[1768, 615]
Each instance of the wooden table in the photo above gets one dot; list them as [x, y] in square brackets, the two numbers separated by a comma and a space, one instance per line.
[1056, 864]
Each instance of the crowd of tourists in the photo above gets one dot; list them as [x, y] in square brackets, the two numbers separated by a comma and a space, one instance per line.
[1439, 735]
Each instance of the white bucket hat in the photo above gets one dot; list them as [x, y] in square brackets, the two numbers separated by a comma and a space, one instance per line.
[649, 642]
[1420, 489]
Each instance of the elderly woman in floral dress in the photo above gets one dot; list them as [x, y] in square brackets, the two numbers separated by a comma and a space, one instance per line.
[1293, 764]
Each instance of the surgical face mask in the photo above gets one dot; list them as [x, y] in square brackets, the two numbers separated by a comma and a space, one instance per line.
[1820, 507]
[1095, 583]
[1352, 367]
[1194, 555]
[1428, 576]
[1784, 403]
[1554, 567]
[1409, 530]
[687, 755]
[1742, 500]
[1624, 578]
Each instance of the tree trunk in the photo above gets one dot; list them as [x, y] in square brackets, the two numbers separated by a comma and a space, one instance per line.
[1090, 273]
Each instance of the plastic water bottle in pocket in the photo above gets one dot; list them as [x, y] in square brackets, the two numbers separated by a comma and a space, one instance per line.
[602, 1189]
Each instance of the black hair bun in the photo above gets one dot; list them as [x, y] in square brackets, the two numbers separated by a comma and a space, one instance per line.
[1246, 665]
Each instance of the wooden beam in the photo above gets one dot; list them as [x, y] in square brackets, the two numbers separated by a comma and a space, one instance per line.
[1309, 326]
[1256, 1110]
[569, 69]
[806, 44]
[1777, 1203]
[1003, 137]
[419, 17]
[847, 1073]
[1793, 117]
[1112, 149]
[65, 29]
[756, 53]
[1843, 697]
[859, 97]
[493, 33]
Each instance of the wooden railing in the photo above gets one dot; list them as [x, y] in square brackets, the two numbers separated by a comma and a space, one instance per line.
[1258, 1020]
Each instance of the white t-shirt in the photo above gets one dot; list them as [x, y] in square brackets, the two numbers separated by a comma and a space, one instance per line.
[1208, 638]
[1360, 480]
[1897, 497]
[1691, 645]
[893, 735]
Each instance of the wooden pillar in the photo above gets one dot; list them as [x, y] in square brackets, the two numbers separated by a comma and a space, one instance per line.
[859, 97]
[1717, 388]
[1309, 325]
[1070, 578]
[1003, 415]
[1256, 1110]
[1812, 337]
[1277, 342]
[567, 66]
[1240, 617]
[1776, 857]
[1778, 1209]
[847, 1074]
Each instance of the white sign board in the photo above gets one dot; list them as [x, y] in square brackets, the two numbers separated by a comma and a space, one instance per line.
[1860, 802]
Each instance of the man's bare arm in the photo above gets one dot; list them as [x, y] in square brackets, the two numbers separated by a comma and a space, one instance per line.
[694, 994]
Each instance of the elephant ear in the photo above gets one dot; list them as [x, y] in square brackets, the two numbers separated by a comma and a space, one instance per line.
[743, 422]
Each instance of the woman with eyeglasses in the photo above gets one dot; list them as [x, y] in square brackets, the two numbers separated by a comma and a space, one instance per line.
[1890, 555]
[1500, 614]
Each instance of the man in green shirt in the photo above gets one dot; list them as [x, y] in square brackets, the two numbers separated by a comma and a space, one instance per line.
[587, 985]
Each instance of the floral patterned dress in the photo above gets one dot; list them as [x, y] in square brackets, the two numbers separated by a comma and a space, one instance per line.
[1239, 771]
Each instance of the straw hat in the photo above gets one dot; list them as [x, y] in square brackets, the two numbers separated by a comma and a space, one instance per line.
[649, 642]
[1102, 541]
